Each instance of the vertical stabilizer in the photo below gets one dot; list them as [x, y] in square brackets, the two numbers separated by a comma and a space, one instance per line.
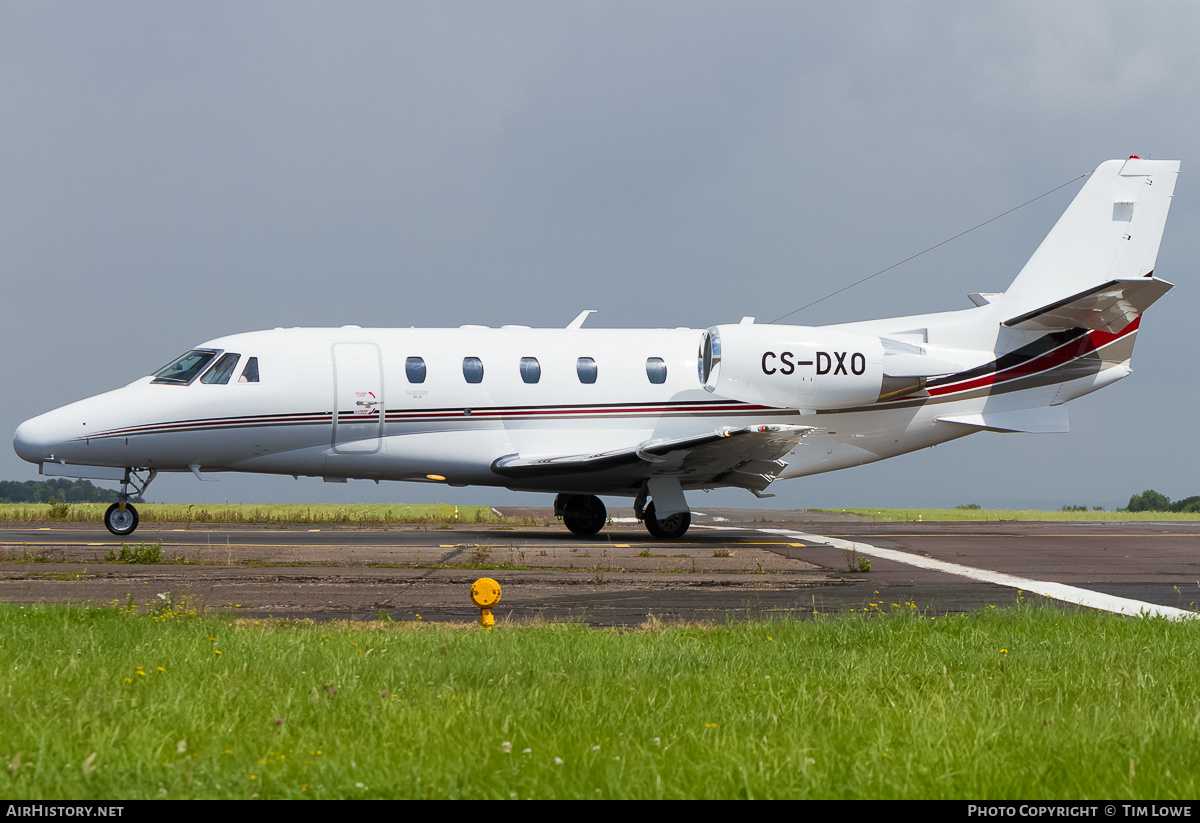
[1111, 231]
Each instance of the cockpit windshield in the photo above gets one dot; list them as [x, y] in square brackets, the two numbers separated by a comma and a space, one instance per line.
[183, 371]
[221, 372]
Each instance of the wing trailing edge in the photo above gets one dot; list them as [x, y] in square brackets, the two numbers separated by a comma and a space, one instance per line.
[746, 456]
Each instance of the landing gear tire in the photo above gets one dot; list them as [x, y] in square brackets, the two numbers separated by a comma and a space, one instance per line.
[668, 528]
[584, 514]
[121, 522]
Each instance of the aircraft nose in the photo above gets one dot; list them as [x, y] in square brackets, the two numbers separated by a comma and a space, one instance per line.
[34, 440]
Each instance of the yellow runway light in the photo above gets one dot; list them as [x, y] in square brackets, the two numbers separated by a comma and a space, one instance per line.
[485, 593]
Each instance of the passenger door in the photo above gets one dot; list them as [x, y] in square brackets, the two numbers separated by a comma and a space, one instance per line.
[358, 398]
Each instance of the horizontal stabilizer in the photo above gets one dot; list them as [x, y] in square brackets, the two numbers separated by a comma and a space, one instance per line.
[1108, 308]
[1043, 420]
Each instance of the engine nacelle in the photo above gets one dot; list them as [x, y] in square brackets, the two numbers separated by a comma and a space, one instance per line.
[794, 367]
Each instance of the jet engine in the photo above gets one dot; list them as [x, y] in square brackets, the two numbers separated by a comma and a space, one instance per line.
[815, 368]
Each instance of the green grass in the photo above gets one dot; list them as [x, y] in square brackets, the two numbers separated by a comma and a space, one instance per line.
[367, 515]
[112, 703]
[936, 515]
[361, 514]
[143, 553]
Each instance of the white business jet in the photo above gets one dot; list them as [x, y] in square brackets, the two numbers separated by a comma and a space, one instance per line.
[644, 414]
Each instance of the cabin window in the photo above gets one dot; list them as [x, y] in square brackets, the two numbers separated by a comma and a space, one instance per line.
[531, 369]
[222, 371]
[250, 373]
[656, 370]
[585, 367]
[184, 370]
[473, 369]
[414, 369]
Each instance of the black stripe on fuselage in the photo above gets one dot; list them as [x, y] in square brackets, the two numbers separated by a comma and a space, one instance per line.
[706, 408]
[1016, 357]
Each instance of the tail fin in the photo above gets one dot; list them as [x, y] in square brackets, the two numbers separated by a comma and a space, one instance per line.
[1099, 251]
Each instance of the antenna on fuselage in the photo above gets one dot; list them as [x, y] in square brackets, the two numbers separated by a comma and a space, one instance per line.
[577, 323]
[931, 248]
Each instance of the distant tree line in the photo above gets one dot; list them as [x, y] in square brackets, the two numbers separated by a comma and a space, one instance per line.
[60, 490]
[1152, 501]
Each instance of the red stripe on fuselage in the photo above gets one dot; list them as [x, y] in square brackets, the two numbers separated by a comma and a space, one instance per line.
[398, 416]
[1071, 350]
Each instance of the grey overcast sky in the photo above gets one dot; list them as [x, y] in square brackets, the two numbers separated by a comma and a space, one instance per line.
[174, 171]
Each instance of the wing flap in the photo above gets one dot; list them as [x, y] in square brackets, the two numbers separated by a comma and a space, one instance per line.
[747, 456]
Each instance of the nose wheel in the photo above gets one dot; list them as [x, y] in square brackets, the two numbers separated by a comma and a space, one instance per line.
[121, 519]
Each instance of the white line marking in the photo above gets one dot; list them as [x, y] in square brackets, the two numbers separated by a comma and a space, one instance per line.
[1057, 591]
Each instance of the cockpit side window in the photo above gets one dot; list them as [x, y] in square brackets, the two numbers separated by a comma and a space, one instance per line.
[250, 373]
[222, 371]
[182, 371]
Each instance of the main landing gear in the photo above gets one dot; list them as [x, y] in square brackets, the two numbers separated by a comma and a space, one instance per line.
[669, 528]
[122, 518]
[585, 515]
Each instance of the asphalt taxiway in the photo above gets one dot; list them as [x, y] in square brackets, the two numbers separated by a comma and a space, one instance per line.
[733, 564]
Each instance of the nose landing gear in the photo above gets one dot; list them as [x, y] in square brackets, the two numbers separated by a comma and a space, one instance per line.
[122, 518]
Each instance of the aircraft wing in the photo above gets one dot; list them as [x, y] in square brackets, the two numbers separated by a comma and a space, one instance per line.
[1109, 307]
[748, 456]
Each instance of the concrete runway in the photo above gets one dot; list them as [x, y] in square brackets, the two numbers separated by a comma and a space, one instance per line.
[733, 564]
